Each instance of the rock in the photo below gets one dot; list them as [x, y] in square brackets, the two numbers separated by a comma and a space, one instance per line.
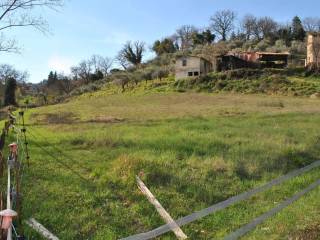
[315, 96]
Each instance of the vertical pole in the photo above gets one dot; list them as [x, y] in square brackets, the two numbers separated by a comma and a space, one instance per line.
[9, 234]
[25, 138]
[18, 198]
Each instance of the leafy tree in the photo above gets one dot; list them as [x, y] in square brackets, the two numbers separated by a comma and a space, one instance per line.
[165, 46]
[298, 32]
[206, 37]
[222, 23]
[52, 78]
[197, 39]
[98, 75]
[9, 94]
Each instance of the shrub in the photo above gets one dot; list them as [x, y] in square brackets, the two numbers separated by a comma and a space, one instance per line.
[85, 89]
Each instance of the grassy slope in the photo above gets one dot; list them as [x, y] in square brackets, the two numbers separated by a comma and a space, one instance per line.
[192, 150]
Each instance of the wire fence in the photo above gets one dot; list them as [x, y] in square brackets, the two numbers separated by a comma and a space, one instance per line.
[224, 204]
[52, 151]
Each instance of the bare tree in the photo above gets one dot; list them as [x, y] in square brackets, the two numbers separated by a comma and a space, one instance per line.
[65, 84]
[8, 71]
[311, 24]
[83, 71]
[184, 36]
[131, 54]
[20, 13]
[94, 61]
[105, 64]
[102, 64]
[222, 23]
[121, 59]
[250, 26]
[267, 27]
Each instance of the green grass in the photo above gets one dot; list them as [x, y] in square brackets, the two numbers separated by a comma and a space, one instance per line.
[191, 149]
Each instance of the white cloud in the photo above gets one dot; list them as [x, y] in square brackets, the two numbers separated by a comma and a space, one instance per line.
[60, 64]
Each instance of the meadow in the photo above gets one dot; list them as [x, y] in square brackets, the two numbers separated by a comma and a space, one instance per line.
[191, 149]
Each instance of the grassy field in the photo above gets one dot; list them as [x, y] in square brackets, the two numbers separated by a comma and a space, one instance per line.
[191, 149]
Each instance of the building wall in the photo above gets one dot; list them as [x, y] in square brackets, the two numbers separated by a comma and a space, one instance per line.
[205, 67]
[194, 64]
[313, 38]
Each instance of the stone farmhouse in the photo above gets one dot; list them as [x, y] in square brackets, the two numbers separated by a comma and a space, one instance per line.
[193, 66]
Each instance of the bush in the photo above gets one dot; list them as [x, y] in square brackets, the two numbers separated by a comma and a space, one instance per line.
[85, 89]
[243, 73]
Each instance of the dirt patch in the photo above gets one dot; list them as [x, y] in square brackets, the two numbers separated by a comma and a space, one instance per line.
[54, 118]
[309, 233]
[231, 113]
[106, 119]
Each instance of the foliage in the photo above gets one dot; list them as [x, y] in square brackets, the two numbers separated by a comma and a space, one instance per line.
[266, 81]
[164, 46]
[298, 32]
[122, 79]
[131, 53]
[9, 94]
[203, 38]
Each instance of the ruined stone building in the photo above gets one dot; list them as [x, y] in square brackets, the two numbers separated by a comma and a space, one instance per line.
[313, 50]
[192, 66]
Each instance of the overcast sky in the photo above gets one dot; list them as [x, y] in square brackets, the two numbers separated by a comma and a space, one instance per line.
[86, 27]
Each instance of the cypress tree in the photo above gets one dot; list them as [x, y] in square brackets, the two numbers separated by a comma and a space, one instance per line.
[10, 92]
[298, 32]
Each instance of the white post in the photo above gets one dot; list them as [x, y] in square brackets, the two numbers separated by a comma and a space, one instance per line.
[9, 234]
[163, 213]
[41, 229]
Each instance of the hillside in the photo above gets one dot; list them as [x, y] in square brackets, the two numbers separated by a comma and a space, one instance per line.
[192, 150]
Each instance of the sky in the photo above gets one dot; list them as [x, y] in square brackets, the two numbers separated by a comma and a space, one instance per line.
[86, 27]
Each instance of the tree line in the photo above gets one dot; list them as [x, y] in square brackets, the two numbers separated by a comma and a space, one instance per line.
[225, 26]
[225, 31]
